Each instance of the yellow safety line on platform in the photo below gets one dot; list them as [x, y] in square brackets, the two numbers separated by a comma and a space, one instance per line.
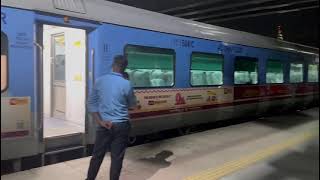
[227, 168]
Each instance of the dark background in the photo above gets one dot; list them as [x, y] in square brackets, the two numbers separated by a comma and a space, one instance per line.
[298, 18]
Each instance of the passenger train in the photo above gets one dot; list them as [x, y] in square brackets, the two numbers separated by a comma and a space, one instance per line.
[184, 72]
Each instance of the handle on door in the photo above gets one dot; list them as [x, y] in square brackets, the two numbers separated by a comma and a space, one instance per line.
[40, 80]
[92, 67]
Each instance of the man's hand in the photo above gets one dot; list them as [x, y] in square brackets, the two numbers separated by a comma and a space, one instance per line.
[106, 124]
[97, 118]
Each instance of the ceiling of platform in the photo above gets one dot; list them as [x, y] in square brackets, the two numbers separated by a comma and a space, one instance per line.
[298, 18]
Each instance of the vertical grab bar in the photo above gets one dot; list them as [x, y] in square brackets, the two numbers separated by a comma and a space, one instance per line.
[93, 67]
[40, 93]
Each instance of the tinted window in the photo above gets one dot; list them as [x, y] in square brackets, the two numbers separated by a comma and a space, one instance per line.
[246, 70]
[206, 69]
[313, 73]
[150, 67]
[274, 72]
[296, 73]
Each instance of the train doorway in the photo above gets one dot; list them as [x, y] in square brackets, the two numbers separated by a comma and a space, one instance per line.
[64, 80]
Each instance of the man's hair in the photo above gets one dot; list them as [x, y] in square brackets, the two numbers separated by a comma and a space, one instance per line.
[120, 62]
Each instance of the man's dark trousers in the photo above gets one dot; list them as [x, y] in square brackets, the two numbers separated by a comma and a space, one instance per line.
[115, 139]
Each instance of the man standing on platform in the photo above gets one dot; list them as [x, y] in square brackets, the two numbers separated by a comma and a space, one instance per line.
[108, 103]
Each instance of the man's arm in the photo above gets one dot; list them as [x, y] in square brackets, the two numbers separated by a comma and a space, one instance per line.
[93, 100]
[93, 108]
[96, 117]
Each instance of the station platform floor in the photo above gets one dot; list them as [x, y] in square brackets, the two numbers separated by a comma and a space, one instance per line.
[275, 148]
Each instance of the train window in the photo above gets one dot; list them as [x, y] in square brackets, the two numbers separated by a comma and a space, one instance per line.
[274, 71]
[313, 73]
[150, 67]
[206, 69]
[296, 73]
[59, 54]
[246, 70]
[4, 61]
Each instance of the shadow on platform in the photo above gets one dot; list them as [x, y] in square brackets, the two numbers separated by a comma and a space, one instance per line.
[147, 167]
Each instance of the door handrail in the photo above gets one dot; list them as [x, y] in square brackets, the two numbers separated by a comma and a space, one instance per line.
[93, 67]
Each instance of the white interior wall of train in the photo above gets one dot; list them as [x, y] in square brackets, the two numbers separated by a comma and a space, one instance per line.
[113, 13]
[64, 79]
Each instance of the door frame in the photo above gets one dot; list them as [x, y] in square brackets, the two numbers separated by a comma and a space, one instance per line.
[51, 19]
[52, 69]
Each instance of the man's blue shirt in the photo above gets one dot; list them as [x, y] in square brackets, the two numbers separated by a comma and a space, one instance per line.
[111, 96]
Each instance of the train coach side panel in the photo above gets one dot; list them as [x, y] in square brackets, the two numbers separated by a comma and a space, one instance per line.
[113, 39]
[19, 130]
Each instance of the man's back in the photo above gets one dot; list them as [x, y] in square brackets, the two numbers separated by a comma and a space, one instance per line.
[112, 95]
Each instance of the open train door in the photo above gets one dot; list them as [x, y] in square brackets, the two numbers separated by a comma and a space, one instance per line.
[67, 78]
[20, 123]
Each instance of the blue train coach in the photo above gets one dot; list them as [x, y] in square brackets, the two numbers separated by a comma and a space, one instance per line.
[184, 72]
